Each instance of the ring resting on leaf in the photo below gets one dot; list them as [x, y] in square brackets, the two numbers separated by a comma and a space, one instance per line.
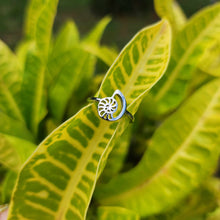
[109, 105]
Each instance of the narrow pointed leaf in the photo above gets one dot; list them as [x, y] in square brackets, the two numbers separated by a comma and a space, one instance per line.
[10, 82]
[32, 97]
[116, 213]
[66, 39]
[171, 10]
[106, 54]
[32, 14]
[188, 48]
[170, 169]
[75, 153]
[95, 35]
[69, 75]
[31, 101]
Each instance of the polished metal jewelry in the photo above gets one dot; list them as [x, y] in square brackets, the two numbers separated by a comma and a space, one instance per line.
[108, 106]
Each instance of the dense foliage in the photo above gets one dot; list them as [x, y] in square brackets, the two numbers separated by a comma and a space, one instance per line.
[159, 167]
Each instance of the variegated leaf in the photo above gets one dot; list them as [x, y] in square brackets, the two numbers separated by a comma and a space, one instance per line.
[171, 10]
[58, 180]
[188, 48]
[14, 151]
[32, 97]
[172, 168]
[10, 82]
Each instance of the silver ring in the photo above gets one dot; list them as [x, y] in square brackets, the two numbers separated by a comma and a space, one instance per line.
[108, 106]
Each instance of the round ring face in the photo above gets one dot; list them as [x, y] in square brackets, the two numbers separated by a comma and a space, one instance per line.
[107, 107]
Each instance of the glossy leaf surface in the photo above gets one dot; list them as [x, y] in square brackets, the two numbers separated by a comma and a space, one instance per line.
[75, 153]
[171, 168]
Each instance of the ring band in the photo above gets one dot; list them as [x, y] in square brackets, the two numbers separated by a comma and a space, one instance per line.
[108, 106]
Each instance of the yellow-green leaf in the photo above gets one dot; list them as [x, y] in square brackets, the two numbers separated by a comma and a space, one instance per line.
[58, 180]
[7, 186]
[188, 48]
[10, 82]
[69, 75]
[95, 35]
[215, 215]
[210, 62]
[32, 97]
[172, 168]
[66, 39]
[39, 22]
[117, 157]
[14, 151]
[14, 127]
[116, 213]
[171, 10]
[33, 12]
[104, 53]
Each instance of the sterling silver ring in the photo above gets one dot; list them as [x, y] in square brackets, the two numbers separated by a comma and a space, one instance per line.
[109, 105]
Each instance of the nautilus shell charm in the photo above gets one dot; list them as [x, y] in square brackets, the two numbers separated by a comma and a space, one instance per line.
[109, 105]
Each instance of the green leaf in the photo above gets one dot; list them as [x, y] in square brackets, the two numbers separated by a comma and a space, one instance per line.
[201, 201]
[66, 39]
[210, 62]
[70, 73]
[22, 51]
[117, 157]
[32, 97]
[10, 82]
[95, 35]
[172, 168]
[188, 48]
[8, 185]
[171, 10]
[75, 153]
[14, 127]
[214, 215]
[106, 54]
[39, 22]
[14, 151]
[116, 213]
[33, 12]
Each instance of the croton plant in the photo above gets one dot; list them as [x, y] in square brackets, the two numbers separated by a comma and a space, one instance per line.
[61, 160]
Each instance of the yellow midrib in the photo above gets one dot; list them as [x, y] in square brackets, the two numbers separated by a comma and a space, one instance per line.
[78, 172]
[135, 190]
[176, 70]
[142, 62]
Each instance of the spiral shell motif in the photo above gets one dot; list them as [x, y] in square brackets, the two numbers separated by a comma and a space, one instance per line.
[107, 107]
